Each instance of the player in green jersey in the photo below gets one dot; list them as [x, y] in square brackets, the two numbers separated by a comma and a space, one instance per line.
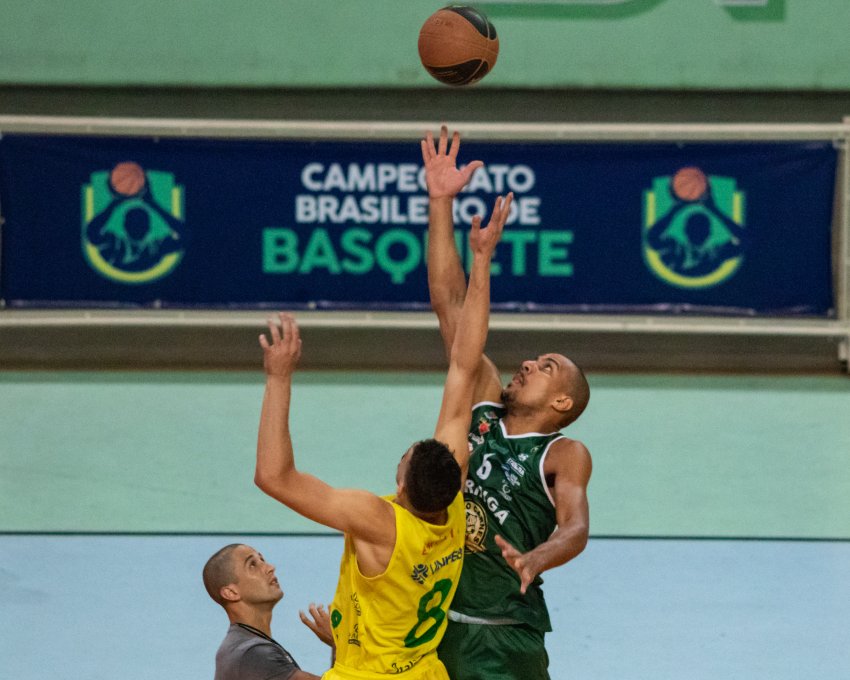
[526, 491]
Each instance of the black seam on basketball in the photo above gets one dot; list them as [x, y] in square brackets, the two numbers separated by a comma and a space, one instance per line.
[473, 16]
[459, 74]
[482, 71]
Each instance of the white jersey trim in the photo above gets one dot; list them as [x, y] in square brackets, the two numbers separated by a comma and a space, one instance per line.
[525, 434]
[457, 617]
[542, 475]
[487, 403]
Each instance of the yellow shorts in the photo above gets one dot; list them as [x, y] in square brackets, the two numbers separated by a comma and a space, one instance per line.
[428, 668]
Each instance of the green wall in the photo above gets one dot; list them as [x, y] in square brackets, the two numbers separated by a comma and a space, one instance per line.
[355, 43]
[689, 455]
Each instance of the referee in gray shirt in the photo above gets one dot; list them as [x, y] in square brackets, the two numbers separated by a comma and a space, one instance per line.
[241, 581]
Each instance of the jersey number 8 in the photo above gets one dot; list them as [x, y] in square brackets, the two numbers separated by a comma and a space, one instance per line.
[428, 613]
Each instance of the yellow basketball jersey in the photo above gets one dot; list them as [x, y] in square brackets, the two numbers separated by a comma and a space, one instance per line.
[387, 624]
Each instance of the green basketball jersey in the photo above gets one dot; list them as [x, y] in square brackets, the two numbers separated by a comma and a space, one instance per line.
[507, 495]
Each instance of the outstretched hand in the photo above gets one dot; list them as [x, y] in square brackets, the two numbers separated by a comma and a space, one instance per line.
[442, 175]
[320, 624]
[521, 563]
[280, 356]
[483, 241]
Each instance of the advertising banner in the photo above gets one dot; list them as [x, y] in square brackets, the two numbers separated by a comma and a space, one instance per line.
[709, 228]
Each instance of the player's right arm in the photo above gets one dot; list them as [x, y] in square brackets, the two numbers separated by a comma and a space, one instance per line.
[446, 280]
[360, 513]
[470, 337]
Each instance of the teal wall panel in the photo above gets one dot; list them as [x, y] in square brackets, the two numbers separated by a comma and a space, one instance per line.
[308, 43]
[681, 456]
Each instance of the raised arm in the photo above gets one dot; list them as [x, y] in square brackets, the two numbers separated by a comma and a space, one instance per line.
[360, 513]
[446, 280]
[470, 336]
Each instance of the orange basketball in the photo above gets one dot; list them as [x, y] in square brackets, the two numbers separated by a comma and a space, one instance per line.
[458, 45]
[689, 183]
[127, 178]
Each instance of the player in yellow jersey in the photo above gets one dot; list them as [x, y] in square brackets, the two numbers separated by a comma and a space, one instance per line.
[403, 553]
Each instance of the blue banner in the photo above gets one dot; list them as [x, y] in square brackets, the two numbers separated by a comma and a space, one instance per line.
[709, 228]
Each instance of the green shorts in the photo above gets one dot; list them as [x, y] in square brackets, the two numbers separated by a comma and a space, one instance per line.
[480, 652]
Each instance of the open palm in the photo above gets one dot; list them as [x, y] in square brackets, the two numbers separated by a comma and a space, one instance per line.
[442, 175]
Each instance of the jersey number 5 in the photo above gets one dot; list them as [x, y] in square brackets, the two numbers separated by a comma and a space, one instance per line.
[428, 612]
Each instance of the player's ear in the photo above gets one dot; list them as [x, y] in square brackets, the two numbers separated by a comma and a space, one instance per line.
[563, 403]
[400, 472]
[230, 593]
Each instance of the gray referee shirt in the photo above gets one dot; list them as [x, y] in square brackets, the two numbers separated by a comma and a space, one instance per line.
[244, 655]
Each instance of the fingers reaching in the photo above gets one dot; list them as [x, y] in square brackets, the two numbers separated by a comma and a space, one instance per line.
[502, 209]
[320, 623]
[274, 331]
[442, 175]
[455, 146]
[505, 547]
[444, 140]
[291, 336]
[281, 346]
[469, 170]
[427, 145]
[475, 229]
[517, 561]
[497, 209]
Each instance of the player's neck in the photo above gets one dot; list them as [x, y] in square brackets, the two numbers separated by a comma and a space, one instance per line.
[254, 618]
[439, 518]
[520, 423]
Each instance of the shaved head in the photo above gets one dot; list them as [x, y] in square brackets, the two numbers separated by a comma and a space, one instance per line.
[219, 572]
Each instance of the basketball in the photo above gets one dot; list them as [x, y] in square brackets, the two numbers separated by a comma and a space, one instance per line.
[458, 45]
[127, 178]
[689, 184]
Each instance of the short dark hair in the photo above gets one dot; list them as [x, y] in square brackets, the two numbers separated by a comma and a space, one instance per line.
[579, 392]
[218, 572]
[433, 476]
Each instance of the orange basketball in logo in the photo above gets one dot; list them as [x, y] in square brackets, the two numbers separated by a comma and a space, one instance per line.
[689, 183]
[127, 178]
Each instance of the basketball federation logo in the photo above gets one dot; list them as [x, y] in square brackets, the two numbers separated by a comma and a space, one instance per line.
[694, 232]
[132, 223]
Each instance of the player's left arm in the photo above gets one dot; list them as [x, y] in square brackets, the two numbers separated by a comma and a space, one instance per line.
[470, 337]
[569, 463]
